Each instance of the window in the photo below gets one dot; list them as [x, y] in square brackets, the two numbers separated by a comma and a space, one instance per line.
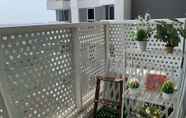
[63, 15]
[109, 12]
[91, 15]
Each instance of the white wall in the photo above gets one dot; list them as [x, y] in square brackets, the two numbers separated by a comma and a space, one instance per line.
[58, 4]
[94, 3]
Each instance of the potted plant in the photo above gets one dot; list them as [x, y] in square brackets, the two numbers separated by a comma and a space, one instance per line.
[150, 112]
[142, 39]
[168, 89]
[143, 33]
[133, 85]
[169, 34]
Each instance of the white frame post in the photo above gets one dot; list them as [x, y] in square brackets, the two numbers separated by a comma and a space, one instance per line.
[74, 11]
[122, 9]
[76, 66]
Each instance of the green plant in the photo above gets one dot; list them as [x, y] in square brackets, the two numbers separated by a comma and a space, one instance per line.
[150, 112]
[144, 29]
[167, 33]
[133, 84]
[181, 29]
[170, 33]
[142, 35]
[168, 87]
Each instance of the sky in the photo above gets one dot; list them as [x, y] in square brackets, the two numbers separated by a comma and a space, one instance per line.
[25, 11]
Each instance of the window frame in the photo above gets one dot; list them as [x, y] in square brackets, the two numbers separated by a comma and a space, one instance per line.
[91, 20]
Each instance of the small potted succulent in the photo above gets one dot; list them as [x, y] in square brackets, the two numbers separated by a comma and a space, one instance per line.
[133, 85]
[169, 34]
[168, 89]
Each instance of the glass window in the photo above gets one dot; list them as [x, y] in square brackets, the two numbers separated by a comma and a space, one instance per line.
[109, 12]
[91, 14]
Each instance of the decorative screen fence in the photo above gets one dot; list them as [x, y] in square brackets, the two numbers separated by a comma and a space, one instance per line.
[48, 71]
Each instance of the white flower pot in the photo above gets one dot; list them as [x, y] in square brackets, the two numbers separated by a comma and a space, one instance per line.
[167, 96]
[133, 91]
[142, 45]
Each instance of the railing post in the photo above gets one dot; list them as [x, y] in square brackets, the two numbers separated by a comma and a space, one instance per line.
[76, 66]
[107, 53]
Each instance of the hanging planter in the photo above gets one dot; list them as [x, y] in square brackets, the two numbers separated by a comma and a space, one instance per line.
[169, 49]
[170, 34]
[143, 33]
[142, 39]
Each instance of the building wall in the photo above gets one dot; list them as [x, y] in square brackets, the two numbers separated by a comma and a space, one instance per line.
[83, 15]
[159, 8]
[100, 13]
[60, 15]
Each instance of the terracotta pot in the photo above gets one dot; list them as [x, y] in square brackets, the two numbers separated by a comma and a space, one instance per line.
[169, 50]
[142, 45]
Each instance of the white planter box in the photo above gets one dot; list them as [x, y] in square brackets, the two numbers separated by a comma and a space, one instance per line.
[142, 45]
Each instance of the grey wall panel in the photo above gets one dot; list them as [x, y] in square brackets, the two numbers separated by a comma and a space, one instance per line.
[100, 13]
[159, 8]
[83, 15]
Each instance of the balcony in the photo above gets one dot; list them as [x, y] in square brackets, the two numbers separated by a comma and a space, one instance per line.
[49, 70]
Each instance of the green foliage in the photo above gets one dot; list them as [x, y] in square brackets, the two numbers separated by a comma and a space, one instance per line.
[168, 34]
[168, 87]
[181, 30]
[144, 30]
[133, 84]
[106, 112]
[150, 112]
[142, 35]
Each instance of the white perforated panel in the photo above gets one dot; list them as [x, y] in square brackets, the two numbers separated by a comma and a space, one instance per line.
[154, 60]
[38, 73]
[3, 109]
[92, 55]
[37, 69]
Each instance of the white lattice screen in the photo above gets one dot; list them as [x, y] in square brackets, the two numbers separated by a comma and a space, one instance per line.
[37, 67]
[138, 63]
[92, 56]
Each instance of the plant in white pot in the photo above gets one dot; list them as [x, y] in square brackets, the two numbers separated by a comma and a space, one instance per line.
[168, 89]
[169, 34]
[142, 39]
[143, 33]
[133, 85]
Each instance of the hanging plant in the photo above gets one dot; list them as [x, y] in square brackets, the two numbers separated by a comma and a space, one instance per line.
[144, 32]
[170, 34]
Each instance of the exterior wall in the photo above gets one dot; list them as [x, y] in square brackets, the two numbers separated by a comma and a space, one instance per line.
[83, 15]
[100, 13]
[59, 16]
[58, 4]
[94, 3]
[159, 8]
